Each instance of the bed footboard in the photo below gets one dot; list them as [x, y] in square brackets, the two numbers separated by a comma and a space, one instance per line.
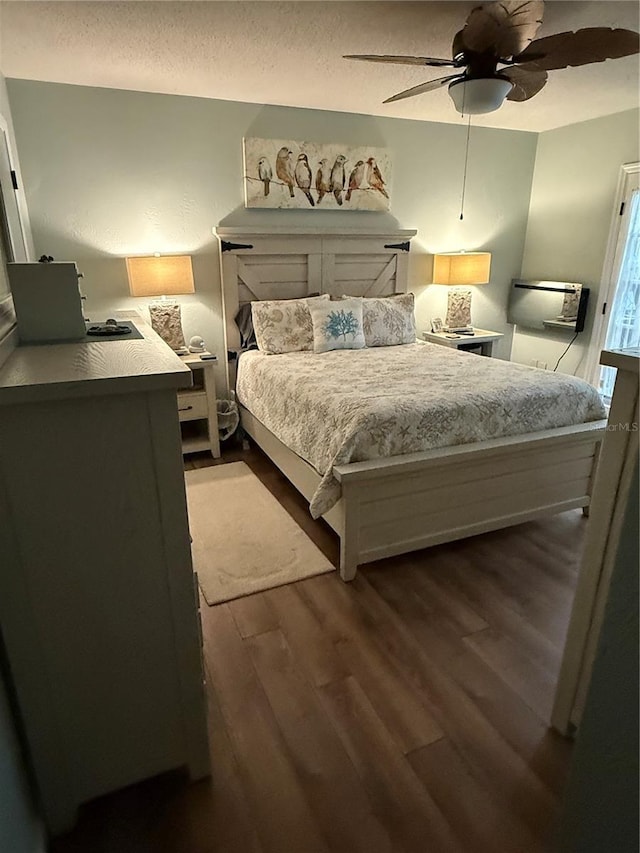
[393, 506]
[404, 503]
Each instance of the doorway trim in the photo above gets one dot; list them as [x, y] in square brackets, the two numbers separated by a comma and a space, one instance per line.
[608, 279]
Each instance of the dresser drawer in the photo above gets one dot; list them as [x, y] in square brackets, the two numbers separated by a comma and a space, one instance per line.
[192, 406]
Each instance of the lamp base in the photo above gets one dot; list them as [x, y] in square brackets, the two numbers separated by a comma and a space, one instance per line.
[458, 310]
[166, 321]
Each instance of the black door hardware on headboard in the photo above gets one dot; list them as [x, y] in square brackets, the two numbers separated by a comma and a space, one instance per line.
[403, 247]
[225, 246]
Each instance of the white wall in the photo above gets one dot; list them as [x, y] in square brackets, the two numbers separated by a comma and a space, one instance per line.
[572, 196]
[110, 173]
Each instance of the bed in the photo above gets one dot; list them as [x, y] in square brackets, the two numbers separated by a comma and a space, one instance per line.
[510, 445]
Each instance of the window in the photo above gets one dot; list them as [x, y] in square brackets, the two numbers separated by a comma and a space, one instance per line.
[623, 330]
[617, 320]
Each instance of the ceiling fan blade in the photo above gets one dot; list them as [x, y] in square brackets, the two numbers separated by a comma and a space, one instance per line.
[406, 60]
[423, 87]
[502, 29]
[526, 83]
[592, 44]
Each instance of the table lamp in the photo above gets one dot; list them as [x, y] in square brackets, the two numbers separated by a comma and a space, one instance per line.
[160, 276]
[458, 269]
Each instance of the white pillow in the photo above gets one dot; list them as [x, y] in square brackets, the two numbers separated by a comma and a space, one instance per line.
[337, 325]
[389, 321]
[284, 325]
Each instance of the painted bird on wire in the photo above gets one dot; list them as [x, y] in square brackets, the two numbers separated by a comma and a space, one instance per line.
[303, 177]
[338, 178]
[374, 178]
[284, 169]
[323, 179]
[265, 173]
[355, 179]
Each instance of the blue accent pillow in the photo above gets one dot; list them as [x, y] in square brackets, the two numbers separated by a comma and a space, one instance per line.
[337, 325]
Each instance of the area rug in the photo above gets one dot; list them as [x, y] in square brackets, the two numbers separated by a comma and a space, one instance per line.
[243, 540]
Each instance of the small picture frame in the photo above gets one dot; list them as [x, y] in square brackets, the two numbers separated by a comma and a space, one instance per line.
[436, 324]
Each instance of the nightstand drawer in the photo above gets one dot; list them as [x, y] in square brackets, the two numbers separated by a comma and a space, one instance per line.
[192, 406]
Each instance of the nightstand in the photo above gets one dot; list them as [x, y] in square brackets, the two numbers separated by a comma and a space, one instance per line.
[481, 340]
[197, 408]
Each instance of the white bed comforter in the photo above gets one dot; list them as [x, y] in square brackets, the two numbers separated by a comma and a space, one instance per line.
[353, 405]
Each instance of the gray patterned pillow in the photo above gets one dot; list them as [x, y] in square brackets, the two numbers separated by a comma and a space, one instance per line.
[389, 321]
[337, 325]
[284, 325]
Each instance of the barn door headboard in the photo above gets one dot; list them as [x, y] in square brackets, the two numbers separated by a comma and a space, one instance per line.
[289, 263]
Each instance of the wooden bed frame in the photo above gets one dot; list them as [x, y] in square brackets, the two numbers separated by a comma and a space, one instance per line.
[404, 503]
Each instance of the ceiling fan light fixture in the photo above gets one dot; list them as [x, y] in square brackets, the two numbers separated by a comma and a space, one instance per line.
[479, 94]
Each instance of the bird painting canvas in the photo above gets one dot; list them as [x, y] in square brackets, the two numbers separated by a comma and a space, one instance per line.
[316, 176]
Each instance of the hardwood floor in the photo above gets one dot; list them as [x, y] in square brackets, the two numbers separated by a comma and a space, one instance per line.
[406, 711]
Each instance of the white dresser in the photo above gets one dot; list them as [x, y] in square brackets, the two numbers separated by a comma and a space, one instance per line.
[98, 604]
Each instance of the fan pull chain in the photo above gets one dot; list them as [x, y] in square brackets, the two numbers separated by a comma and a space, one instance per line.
[464, 176]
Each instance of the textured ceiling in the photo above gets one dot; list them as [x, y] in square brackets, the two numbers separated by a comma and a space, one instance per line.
[290, 53]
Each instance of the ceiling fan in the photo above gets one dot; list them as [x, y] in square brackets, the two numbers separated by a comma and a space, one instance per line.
[496, 56]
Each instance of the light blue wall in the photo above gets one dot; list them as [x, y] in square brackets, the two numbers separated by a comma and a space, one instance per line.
[573, 193]
[110, 173]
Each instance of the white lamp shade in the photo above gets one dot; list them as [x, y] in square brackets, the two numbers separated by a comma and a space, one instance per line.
[167, 275]
[480, 95]
[462, 268]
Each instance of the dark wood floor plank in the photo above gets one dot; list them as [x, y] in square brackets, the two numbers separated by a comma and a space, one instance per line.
[253, 615]
[217, 807]
[561, 538]
[547, 753]
[463, 616]
[525, 566]
[517, 589]
[505, 710]
[504, 770]
[280, 810]
[510, 663]
[566, 530]
[312, 647]
[407, 719]
[400, 801]
[332, 786]
[469, 584]
[544, 605]
[445, 647]
[482, 825]
[558, 560]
